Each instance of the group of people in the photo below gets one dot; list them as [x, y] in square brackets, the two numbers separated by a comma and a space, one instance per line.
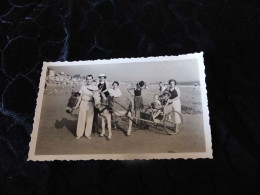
[169, 95]
[86, 102]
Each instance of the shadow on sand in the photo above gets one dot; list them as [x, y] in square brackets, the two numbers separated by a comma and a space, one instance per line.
[157, 129]
[71, 125]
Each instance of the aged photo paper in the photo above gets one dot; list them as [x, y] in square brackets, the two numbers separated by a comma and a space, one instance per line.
[122, 109]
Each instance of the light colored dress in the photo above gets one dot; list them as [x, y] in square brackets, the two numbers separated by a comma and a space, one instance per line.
[176, 104]
[115, 92]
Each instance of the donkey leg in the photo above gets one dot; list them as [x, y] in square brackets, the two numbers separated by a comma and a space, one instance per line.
[130, 123]
[108, 117]
[103, 124]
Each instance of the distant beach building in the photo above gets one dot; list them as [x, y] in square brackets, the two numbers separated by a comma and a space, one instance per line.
[78, 80]
[50, 75]
[51, 72]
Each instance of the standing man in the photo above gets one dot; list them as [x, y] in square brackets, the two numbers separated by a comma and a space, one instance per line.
[86, 108]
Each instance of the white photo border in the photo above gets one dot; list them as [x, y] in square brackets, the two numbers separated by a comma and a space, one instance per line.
[142, 156]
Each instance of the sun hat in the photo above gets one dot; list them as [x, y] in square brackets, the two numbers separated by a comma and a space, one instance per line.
[166, 93]
[102, 75]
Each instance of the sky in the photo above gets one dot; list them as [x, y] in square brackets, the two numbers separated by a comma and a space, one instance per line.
[180, 70]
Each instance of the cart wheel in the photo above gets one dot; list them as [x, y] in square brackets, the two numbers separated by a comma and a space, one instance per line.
[170, 125]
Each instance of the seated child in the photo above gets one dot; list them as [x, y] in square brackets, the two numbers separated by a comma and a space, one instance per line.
[165, 98]
[156, 108]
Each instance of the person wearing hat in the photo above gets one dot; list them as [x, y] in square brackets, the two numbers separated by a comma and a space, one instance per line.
[174, 99]
[103, 86]
[164, 97]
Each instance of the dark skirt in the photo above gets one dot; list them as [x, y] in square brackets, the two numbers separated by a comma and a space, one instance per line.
[138, 102]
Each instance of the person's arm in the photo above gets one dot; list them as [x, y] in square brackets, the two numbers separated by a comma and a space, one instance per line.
[130, 89]
[178, 93]
[169, 101]
[133, 88]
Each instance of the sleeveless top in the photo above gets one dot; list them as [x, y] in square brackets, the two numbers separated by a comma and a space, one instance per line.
[138, 91]
[173, 93]
[103, 87]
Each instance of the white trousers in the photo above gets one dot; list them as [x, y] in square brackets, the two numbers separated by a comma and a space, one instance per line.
[176, 105]
[85, 120]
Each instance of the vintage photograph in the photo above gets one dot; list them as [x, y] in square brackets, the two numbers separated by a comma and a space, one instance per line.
[122, 109]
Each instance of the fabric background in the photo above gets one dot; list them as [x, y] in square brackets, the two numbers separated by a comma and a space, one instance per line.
[32, 31]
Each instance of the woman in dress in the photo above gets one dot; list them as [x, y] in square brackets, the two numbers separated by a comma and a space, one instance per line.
[174, 99]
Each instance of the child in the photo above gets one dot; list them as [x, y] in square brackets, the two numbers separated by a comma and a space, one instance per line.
[157, 108]
[103, 87]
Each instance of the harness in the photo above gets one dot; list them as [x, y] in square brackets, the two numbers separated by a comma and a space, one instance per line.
[110, 104]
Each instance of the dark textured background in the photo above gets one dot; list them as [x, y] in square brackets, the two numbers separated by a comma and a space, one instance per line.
[227, 31]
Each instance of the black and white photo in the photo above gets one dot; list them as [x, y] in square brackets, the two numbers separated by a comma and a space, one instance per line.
[122, 109]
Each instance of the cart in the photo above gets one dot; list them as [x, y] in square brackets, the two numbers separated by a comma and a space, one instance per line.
[166, 118]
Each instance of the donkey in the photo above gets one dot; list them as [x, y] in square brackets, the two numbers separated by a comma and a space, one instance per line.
[121, 107]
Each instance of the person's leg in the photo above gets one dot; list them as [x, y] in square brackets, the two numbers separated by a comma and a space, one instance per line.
[103, 124]
[95, 121]
[114, 121]
[156, 113]
[130, 123]
[108, 117]
[137, 115]
[81, 119]
[89, 119]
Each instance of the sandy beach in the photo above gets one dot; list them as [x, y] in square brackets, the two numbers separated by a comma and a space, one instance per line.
[57, 128]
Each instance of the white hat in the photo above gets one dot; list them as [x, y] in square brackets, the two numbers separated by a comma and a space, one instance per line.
[102, 75]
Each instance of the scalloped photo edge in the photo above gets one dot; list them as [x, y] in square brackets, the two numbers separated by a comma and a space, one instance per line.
[49, 155]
